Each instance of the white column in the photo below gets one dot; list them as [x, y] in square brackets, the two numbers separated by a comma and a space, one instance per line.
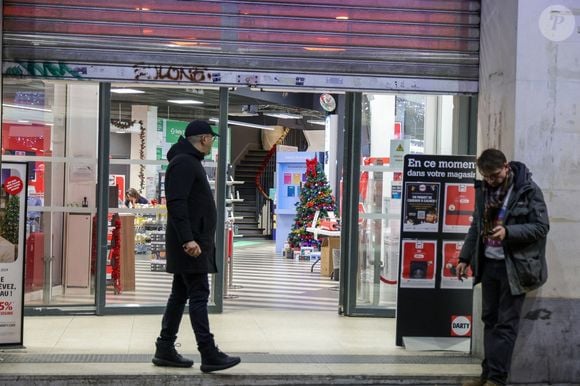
[330, 145]
[430, 124]
[445, 124]
[148, 115]
[382, 124]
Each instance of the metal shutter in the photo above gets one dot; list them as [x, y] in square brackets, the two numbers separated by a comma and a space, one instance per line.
[433, 39]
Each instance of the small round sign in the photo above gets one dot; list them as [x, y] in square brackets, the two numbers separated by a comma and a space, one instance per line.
[13, 185]
[460, 326]
[327, 102]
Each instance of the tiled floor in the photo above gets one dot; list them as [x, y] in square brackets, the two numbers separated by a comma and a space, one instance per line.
[283, 321]
[269, 342]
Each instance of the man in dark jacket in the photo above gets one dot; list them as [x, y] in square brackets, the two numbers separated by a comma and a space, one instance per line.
[190, 249]
[505, 247]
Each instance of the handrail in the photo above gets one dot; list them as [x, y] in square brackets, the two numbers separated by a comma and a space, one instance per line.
[265, 162]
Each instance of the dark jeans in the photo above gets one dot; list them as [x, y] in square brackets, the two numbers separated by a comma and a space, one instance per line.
[195, 288]
[501, 317]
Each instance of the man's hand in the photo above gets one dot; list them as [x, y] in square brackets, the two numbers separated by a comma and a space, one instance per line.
[461, 271]
[192, 248]
[497, 233]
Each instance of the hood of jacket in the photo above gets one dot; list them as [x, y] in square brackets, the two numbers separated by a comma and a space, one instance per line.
[522, 175]
[183, 146]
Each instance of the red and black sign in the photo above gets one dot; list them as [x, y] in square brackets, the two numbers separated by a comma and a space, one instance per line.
[438, 203]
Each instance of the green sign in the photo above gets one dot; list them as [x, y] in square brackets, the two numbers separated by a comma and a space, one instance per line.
[173, 129]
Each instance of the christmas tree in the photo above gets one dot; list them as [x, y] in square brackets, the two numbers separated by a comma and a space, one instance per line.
[11, 219]
[315, 195]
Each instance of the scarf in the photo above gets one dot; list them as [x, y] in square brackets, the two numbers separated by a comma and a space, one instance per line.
[494, 198]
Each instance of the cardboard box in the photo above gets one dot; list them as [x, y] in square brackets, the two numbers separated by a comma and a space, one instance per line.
[328, 244]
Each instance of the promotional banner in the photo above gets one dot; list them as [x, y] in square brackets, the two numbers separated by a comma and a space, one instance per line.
[437, 209]
[13, 193]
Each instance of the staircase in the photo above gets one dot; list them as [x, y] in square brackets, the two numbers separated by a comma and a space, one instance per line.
[246, 171]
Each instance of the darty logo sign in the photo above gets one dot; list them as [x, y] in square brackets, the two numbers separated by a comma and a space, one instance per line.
[460, 325]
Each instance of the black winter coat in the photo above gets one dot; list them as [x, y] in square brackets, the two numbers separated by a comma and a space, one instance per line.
[526, 223]
[191, 211]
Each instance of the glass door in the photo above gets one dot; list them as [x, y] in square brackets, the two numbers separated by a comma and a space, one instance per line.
[145, 122]
[53, 126]
[380, 130]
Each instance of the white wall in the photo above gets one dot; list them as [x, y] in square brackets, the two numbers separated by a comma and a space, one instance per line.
[528, 107]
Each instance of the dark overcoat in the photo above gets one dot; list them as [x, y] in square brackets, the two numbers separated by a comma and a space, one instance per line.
[191, 210]
[526, 224]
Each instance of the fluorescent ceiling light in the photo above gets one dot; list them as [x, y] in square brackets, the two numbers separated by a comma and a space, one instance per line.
[24, 107]
[185, 101]
[317, 122]
[126, 91]
[284, 115]
[243, 114]
[246, 124]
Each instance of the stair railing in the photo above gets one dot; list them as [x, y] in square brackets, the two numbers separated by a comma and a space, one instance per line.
[264, 180]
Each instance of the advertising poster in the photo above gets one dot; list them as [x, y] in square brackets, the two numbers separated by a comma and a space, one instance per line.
[12, 228]
[451, 250]
[437, 205]
[421, 207]
[419, 264]
[459, 207]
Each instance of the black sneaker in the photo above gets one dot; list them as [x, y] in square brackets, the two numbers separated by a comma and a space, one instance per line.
[167, 356]
[213, 359]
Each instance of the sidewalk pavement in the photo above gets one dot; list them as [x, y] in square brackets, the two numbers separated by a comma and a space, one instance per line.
[277, 348]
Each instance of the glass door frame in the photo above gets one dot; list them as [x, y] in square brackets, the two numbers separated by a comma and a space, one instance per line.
[349, 241]
[103, 202]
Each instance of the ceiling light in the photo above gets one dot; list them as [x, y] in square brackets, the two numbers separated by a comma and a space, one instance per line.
[243, 114]
[126, 91]
[342, 18]
[246, 124]
[317, 122]
[324, 49]
[185, 101]
[284, 115]
[24, 107]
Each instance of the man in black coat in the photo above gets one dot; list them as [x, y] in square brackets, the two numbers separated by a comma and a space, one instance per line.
[506, 248]
[190, 250]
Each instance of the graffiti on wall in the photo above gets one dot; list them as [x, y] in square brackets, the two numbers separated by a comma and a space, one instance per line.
[45, 69]
[173, 73]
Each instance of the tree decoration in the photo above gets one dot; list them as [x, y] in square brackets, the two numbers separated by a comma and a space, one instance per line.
[115, 255]
[142, 156]
[122, 124]
[315, 195]
[11, 220]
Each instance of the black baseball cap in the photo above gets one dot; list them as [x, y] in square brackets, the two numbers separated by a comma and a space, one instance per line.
[198, 127]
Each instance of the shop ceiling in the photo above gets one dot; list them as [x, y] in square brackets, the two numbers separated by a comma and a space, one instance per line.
[294, 110]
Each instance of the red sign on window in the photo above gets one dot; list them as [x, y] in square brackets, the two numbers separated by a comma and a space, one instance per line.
[13, 185]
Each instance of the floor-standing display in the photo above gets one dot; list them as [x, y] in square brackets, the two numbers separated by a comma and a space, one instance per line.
[438, 202]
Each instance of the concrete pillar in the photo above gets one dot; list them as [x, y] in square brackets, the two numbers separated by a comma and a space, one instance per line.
[147, 115]
[529, 104]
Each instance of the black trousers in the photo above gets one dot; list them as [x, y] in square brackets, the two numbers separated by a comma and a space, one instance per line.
[195, 288]
[501, 318]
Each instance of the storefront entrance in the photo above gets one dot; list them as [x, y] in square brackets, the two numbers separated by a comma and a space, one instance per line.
[89, 143]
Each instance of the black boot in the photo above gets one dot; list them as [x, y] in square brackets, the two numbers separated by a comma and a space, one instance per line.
[167, 355]
[212, 359]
